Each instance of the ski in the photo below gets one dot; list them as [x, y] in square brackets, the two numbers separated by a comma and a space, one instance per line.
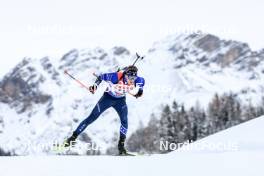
[134, 154]
[127, 154]
[59, 148]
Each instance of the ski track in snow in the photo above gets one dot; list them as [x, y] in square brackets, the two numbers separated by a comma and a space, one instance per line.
[247, 160]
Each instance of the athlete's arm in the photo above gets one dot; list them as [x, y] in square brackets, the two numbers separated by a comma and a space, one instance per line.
[112, 77]
[140, 82]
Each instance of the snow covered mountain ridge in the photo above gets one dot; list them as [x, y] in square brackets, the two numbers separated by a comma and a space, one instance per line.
[39, 103]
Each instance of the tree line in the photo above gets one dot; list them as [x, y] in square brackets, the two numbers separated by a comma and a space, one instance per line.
[178, 125]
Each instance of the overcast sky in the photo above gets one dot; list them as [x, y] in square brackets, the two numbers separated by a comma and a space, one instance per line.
[37, 28]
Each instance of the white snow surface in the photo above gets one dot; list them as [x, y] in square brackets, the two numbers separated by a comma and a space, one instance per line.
[247, 159]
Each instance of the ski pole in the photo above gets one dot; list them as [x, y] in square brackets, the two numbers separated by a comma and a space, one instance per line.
[82, 84]
[138, 57]
[79, 82]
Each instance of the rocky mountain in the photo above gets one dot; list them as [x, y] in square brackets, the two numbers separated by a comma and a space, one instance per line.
[39, 104]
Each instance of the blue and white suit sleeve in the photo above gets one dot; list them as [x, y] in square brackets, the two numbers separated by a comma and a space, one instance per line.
[140, 82]
[112, 77]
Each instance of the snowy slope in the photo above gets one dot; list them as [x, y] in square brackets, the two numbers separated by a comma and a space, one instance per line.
[246, 160]
[245, 137]
[39, 103]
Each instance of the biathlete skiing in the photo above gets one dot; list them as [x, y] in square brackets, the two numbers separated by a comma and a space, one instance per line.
[120, 84]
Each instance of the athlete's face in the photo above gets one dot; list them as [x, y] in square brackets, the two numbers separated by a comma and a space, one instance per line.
[131, 78]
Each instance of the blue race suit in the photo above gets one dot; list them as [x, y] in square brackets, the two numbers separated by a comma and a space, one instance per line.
[112, 98]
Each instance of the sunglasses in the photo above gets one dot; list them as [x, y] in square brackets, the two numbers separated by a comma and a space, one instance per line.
[131, 75]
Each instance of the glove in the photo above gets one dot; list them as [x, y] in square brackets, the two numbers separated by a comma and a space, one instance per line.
[139, 94]
[92, 89]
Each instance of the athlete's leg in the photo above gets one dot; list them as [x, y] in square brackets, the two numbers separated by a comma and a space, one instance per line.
[103, 104]
[121, 108]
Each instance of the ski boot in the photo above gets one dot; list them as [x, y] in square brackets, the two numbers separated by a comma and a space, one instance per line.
[121, 146]
[71, 141]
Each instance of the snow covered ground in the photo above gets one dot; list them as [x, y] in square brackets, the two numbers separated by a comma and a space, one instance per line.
[235, 151]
